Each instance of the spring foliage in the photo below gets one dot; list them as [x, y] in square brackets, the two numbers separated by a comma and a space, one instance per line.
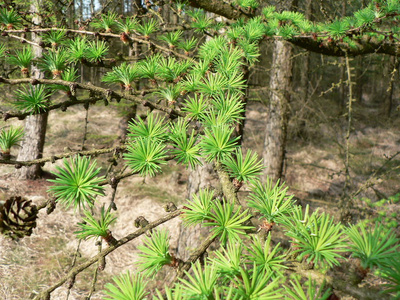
[201, 85]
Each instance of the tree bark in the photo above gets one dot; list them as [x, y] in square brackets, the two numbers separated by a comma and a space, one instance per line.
[278, 109]
[35, 125]
[190, 238]
[278, 105]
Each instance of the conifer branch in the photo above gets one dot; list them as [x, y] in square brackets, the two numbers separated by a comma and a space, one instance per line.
[107, 93]
[96, 34]
[83, 266]
[5, 115]
[365, 45]
[55, 157]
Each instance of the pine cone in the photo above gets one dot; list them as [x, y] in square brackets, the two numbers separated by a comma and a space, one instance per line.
[17, 217]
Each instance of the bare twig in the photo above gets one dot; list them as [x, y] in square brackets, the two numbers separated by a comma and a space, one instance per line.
[85, 127]
[346, 201]
[55, 157]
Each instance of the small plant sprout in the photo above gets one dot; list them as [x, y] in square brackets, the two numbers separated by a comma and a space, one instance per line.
[22, 59]
[373, 247]
[186, 149]
[124, 74]
[154, 127]
[271, 201]
[149, 67]
[55, 62]
[147, 28]
[155, 253]
[8, 138]
[170, 93]
[201, 284]
[69, 74]
[188, 45]
[9, 18]
[267, 257]
[172, 38]
[230, 105]
[226, 223]
[128, 26]
[32, 99]
[171, 70]
[96, 51]
[145, 155]
[243, 168]
[198, 209]
[202, 23]
[391, 273]
[319, 240]
[256, 283]
[312, 292]
[126, 287]
[77, 49]
[229, 260]
[92, 227]
[55, 38]
[196, 106]
[217, 142]
[180, 6]
[77, 183]
[106, 22]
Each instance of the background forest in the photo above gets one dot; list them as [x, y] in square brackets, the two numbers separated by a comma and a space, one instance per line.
[236, 149]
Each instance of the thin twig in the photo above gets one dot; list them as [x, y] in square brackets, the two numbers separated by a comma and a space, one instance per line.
[76, 254]
[85, 127]
[63, 105]
[346, 200]
[55, 157]
[95, 275]
[83, 266]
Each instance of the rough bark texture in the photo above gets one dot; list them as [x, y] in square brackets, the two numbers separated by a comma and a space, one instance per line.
[35, 125]
[276, 128]
[221, 8]
[190, 238]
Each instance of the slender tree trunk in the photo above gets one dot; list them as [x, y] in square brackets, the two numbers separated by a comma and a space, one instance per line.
[278, 106]
[191, 237]
[35, 125]
[278, 110]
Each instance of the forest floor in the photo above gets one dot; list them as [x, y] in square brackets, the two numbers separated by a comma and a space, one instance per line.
[314, 172]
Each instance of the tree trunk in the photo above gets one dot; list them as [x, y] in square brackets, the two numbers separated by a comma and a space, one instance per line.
[278, 106]
[191, 237]
[35, 125]
[278, 109]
